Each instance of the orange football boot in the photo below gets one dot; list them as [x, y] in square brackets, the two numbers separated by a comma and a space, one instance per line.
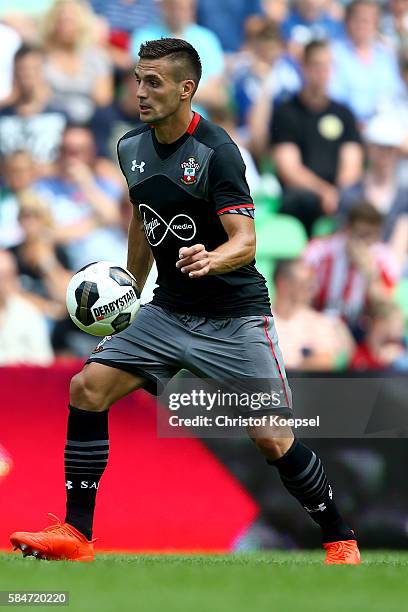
[58, 542]
[344, 552]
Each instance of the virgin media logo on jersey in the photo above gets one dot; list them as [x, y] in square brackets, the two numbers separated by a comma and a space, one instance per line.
[156, 228]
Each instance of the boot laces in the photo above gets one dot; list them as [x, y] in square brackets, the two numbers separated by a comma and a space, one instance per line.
[59, 527]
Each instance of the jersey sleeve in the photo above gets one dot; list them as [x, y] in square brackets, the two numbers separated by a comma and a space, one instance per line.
[351, 133]
[228, 187]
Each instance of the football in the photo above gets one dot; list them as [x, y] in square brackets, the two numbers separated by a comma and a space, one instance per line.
[103, 298]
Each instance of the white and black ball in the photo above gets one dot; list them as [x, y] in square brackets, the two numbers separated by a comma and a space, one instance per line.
[103, 298]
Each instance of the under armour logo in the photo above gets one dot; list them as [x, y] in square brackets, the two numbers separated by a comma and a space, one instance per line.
[181, 226]
[68, 484]
[140, 166]
[319, 508]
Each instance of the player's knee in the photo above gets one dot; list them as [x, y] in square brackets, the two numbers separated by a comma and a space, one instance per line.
[273, 447]
[84, 394]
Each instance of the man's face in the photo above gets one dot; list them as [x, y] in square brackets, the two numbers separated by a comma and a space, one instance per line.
[310, 9]
[303, 283]
[362, 24]
[382, 159]
[268, 49]
[317, 69]
[399, 7]
[158, 91]
[365, 234]
[19, 171]
[178, 14]
[299, 285]
[28, 72]
[77, 145]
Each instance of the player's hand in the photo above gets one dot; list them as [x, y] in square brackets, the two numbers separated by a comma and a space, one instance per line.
[194, 261]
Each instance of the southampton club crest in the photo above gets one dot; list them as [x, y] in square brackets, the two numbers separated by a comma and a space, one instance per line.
[190, 169]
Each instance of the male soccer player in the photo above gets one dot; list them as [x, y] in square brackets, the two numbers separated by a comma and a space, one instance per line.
[193, 213]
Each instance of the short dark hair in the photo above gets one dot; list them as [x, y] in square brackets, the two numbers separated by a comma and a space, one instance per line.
[364, 212]
[284, 268]
[257, 27]
[177, 50]
[25, 50]
[312, 46]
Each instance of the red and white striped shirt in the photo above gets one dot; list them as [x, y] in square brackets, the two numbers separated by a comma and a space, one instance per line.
[341, 287]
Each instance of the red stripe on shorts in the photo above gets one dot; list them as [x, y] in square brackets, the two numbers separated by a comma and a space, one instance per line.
[275, 358]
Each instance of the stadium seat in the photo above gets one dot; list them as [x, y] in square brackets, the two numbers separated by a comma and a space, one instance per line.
[401, 297]
[278, 237]
[323, 227]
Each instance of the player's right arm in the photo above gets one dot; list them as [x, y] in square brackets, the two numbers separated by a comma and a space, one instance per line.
[140, 257]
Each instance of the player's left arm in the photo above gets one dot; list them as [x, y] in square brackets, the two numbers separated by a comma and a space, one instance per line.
[237, 251]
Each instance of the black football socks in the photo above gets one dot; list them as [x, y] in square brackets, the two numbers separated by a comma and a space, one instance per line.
[86, 457]
[302, 473]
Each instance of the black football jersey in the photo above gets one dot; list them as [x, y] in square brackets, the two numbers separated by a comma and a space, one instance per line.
[181, 190]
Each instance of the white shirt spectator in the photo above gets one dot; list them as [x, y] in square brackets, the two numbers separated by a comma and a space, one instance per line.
[24, 337]
[9, 43]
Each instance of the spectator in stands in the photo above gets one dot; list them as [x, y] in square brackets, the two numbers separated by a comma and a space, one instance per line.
[78, 72]
[264, 69]
[111, 122]
[384, 345]
[353, 267]
[30, 123]
[398, 108]
[227, 19]
[381, 185]
[42, 265]
[84, 205]
[309, 340]
[394, 23]
[276, 10]
[23, 16]
[316, 144]
[179, 20]
[126, 16]
[9, 43]
[226, 119]
[19, 173]
[365, 71]
[309, 20]
[23, 330]
[123, 18]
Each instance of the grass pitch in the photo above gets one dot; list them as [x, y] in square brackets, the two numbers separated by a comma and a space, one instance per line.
[272, 582]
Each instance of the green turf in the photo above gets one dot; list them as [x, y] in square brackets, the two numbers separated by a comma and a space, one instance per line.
[273, 582]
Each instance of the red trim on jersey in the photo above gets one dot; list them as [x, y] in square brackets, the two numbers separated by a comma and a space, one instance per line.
[275, 358]
[325, 283]
[348, 285]
[386, 279]
[219, 212]
[193, 124]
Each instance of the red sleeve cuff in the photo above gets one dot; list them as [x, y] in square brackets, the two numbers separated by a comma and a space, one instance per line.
[227, 208]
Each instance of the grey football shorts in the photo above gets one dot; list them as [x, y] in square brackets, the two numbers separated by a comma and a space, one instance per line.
[160, 343]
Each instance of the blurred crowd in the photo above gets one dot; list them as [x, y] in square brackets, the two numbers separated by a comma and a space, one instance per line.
[315, 92]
